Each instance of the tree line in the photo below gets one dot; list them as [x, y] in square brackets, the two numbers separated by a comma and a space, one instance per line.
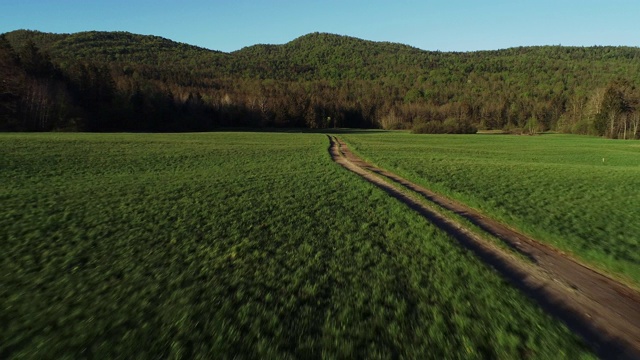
[99, 81]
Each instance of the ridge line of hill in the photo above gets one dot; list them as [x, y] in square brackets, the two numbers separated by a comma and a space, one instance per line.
[150, 83]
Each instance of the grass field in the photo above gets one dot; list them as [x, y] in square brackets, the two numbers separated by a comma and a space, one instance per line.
[237, 245]
[557, 188]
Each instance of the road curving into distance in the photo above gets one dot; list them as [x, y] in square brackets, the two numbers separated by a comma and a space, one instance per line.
[605, 312]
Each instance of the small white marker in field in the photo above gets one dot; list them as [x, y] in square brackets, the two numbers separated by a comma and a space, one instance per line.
[603, 160]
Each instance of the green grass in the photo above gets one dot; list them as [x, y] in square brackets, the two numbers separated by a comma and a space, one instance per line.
[554, 187]
[236, 245]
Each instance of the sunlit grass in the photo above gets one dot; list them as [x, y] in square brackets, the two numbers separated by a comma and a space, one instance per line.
[235, 245]
[578, 193]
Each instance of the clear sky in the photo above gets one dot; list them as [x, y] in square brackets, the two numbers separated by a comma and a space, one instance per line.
[446, 25]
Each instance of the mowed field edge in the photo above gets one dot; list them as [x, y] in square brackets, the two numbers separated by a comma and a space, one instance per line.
[236, 244]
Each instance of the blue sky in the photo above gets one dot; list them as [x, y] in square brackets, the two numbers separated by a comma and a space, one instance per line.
[446, 25]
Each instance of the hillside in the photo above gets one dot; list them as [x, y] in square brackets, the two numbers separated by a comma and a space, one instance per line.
[115, 47]
[157, 84]
[325, 56]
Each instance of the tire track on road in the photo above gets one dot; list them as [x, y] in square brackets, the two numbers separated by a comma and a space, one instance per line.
[605, 312]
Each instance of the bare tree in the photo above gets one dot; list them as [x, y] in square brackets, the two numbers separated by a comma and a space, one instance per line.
[635, 123]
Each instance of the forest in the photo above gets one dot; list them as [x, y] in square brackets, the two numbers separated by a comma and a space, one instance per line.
[118, 81]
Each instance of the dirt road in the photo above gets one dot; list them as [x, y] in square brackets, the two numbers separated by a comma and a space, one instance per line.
[605, 312]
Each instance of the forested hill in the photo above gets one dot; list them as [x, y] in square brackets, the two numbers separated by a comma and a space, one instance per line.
[115, 47]
[326, 56]
[105, 81]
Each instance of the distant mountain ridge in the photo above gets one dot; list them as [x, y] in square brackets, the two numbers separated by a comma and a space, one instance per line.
[314, 49]
[361, 82]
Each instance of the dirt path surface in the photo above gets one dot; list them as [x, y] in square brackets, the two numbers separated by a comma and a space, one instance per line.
[605, 312]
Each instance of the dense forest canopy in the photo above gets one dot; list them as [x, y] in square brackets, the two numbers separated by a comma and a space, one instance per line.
[117, 81]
